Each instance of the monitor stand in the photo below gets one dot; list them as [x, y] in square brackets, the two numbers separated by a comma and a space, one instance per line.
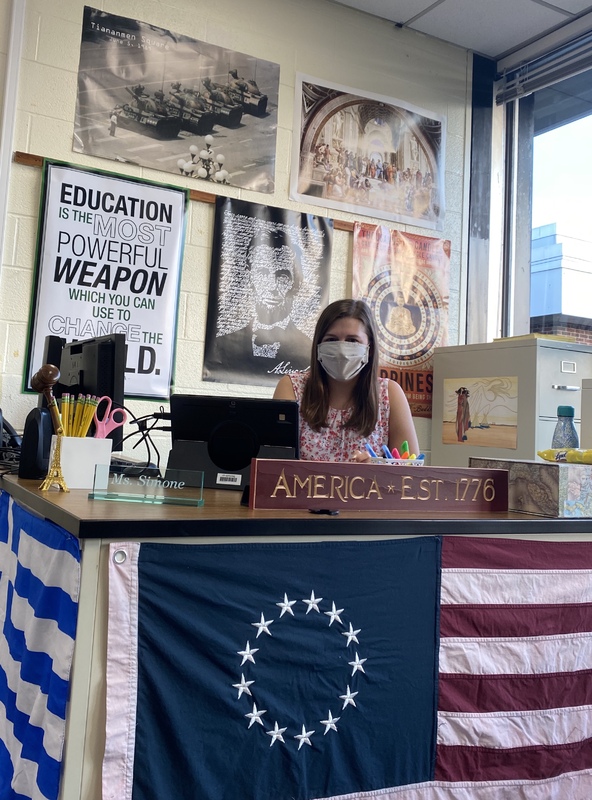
[195, 456]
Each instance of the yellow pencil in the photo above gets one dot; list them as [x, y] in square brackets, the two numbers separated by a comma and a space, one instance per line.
[78, 414]
[72, 410]
[66, 415]
[65, 411]
[88, 415]
[85, 405]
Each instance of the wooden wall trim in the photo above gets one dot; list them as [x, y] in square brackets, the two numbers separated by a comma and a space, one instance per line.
[32, 160]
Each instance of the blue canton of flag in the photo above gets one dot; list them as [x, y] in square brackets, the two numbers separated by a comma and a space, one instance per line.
[39, 585]
[284, 671]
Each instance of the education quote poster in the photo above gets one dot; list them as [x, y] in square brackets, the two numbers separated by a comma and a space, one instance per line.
[109, 261]
[405, 279]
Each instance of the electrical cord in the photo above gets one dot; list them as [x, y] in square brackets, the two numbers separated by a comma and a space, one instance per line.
[146, 425]
[8, 453]
[9, 460]
[144, 434]
[9, 470]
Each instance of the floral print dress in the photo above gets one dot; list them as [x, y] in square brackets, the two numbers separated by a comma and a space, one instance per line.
[335, 442]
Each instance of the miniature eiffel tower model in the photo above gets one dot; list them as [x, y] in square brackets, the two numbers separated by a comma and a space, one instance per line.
[42, 381]
[54, 474]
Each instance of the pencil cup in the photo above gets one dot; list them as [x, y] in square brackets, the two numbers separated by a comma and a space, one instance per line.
[80, 456]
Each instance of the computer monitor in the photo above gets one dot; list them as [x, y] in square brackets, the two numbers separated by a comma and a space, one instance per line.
[90, 366]
[220, 435]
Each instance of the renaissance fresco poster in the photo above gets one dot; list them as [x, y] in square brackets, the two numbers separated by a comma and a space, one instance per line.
[269, 281]
[367, 154]
[159, 99]
[109, 261]
[405, 280]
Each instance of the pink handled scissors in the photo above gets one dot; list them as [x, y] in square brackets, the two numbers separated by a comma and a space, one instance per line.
[109, 420]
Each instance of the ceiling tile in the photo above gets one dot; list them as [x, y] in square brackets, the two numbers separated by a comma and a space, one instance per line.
[394, 10]
[573, 6]
[492, 27]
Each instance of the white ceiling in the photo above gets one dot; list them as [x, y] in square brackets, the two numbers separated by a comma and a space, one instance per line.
[493, 28]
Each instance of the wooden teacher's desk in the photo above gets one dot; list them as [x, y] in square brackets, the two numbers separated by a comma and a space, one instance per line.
[222, 515]
[220, 519]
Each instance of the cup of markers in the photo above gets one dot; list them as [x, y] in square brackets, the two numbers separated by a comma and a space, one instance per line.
[402, 458]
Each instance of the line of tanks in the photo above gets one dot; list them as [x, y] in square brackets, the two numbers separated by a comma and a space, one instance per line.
[191, 109]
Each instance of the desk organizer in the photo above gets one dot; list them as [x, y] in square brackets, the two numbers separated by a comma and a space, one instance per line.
[398, 462]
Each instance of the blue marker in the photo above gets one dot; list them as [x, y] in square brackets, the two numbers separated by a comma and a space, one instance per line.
[386, 451]
[371, 451]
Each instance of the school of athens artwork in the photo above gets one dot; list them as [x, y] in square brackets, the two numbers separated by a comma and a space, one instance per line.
[367, 154]
[481, 412]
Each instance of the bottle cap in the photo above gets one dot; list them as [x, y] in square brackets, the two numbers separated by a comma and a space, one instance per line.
[565, 411]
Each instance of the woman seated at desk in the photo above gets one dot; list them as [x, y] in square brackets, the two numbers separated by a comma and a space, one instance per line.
[344, 405]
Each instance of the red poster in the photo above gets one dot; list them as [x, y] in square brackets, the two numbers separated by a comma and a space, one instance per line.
[405, 280]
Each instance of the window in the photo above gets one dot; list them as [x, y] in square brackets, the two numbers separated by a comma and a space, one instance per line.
[539, 130]
[561, 243]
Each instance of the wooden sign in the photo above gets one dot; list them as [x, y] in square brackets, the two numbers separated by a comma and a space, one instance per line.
[333, 485]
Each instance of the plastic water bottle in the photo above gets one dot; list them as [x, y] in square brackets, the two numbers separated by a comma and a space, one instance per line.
[565, 434]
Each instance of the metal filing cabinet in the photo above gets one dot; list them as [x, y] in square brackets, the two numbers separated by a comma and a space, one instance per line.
[545, 373]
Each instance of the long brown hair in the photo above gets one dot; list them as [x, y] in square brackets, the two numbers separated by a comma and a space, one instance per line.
[315, 397]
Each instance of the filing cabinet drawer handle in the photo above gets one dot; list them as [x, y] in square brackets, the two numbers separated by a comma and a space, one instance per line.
[565, 388]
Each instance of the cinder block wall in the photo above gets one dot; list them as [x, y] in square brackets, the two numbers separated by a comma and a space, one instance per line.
[315, 37]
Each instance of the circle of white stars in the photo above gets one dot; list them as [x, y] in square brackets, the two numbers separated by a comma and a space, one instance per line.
[342, 702]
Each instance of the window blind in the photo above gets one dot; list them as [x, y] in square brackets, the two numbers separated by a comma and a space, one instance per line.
[570, 59]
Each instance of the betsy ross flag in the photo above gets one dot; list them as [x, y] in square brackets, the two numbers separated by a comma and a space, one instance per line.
[408, 669]
[39, 586]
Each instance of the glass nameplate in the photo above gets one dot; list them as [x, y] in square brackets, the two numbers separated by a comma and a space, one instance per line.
[185, 488]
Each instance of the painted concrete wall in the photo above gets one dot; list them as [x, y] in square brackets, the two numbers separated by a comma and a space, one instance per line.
[315, 37]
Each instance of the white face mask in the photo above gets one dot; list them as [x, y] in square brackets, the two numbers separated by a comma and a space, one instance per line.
[343, 360]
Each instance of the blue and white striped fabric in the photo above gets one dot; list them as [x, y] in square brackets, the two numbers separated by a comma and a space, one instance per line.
[39, 587]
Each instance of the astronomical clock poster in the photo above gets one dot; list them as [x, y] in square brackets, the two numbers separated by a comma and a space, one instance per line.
[405, 280]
